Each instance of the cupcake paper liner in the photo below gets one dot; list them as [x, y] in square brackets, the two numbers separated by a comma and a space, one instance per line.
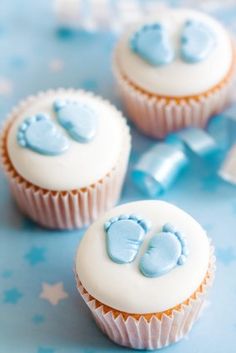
[153, 333]
[157, 116]
[65, 209]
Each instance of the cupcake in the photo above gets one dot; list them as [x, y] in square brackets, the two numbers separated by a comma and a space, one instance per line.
[65, 153]
[144, 269]
[174, 70]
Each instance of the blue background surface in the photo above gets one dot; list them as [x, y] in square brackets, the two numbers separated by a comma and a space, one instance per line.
[34, 56]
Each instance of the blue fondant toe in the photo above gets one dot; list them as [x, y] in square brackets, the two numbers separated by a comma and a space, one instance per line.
[152, 44]
[58, 104]
[40, 134]
[124, 236]
[197, 41]
[165, 251]
[78, 119]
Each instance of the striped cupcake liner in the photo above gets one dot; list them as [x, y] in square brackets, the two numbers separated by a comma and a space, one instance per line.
[153, 333]
[157, 116]
[66, 209]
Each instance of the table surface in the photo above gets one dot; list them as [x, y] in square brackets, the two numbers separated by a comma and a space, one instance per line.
[36, 263]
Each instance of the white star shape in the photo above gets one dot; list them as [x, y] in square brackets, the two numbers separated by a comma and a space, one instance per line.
[6, 86]
[53, 293]
[56, 65]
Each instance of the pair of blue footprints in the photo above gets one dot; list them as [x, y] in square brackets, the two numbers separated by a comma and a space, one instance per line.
[125, 235]
[40, 134]
[152, 44]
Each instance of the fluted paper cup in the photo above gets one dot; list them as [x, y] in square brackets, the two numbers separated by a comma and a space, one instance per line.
[151, 331]
[65, 209]
[157, 116]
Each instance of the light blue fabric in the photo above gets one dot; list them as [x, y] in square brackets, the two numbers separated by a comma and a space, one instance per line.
[31, 256]
[158, 168]
[198, 141]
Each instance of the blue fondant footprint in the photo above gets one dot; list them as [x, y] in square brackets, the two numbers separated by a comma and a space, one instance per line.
[165, 251]
[197, 41]
[41, 135]
[124, 235]
[78, 119]
[152, 44]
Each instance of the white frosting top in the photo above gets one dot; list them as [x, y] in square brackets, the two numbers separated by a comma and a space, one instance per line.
[178, 78]
[83, 163]
[122, 286]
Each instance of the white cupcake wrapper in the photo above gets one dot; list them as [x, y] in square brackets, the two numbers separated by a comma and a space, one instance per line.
[67, 209]
[155, 333]
[156, 116]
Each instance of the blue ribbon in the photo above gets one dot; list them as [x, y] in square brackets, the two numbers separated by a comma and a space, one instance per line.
[158, 168]
[198, 142]
[227, 170]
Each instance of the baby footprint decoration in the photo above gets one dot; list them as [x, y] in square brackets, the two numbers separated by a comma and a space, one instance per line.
[40, 134]
[166, 250]
[152, 44]
[197, 41]
[124, 235]
[78, 119]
